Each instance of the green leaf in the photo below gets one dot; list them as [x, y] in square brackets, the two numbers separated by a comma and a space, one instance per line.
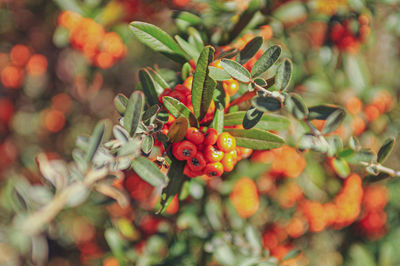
[269, 57]
[254, 238]
[121, 134]
[244, 19]
[218, 74]
[134, 110]
[218, 121]
[228, 54]
[385, 150]
[116, 244]
[159, 82]
[292, 254]
[187, 17]
[188, 48]
[176, 180]
[256, 139]
[147, 144]
[186, 70]
[249, 50]
[148, 171]
[151, 112]
[158, 40]
[120, 103]
[267, 121]
[295, 104]
[266, 103]
[364, 155]
[321, 112]
[333, 121]
[335, 145]
[236, 70]
[252, 117]
[354, 143]
[261, 82]
[178, 109]
[341, 167]
[283, 74]
[203, 86]
[95, 141]
[149, 87]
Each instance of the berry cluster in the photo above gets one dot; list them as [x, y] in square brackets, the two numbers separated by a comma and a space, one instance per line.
[345, 37]
[19, 64]
[102, 48]
[209, 154]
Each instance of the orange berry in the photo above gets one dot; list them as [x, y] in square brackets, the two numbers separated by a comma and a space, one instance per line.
[19, 55]
[354, 105]
[225, 142]
[211, 154]
[228, 162]
[188, 83]
[231, 86]
[244, 197]
[214, 169]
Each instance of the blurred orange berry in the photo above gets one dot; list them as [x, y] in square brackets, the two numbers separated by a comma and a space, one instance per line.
[19, 55]
[54, 120]
[110, 261]
[173, 206]
[244, 197]
[37, 65]
[354, 105]
[12, 77]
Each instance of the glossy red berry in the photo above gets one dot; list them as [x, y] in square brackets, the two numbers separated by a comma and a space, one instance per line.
[194, 135]
[210, 137]
[190, 173]
[214, 169]
[184, 150]
[197, 162]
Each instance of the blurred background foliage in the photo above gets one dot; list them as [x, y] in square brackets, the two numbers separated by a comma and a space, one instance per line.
[61, 64]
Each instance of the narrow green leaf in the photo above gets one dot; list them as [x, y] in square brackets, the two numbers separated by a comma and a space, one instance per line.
[148, 171]
[269, 57]
[283, 74]
[292, 254]
[151, 112]
[376, 178]
[256, 139]
[134, 111]
[265, 103]
[186, 70]
[218, 74]
[333, 121]
[364, 155]
[160, 83]
[176, 180]
[252, 117]
[385, 150]
[203, 86]
[121, 134]
[354, 143]
[228, 54]
[120, 103]
[178, 109]
[95, 141]
[149, 87]
[218, 121]
[321, 112]
[236, 70]
[261, 82]
[158, 40]
[295, 104]
[189, 18]
[249, 50]
[147, 143]
[188, 48]
[267, 121]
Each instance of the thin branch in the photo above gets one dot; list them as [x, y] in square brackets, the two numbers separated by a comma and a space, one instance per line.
[384, 169]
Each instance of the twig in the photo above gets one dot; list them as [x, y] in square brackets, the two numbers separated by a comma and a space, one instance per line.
[384, 169]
